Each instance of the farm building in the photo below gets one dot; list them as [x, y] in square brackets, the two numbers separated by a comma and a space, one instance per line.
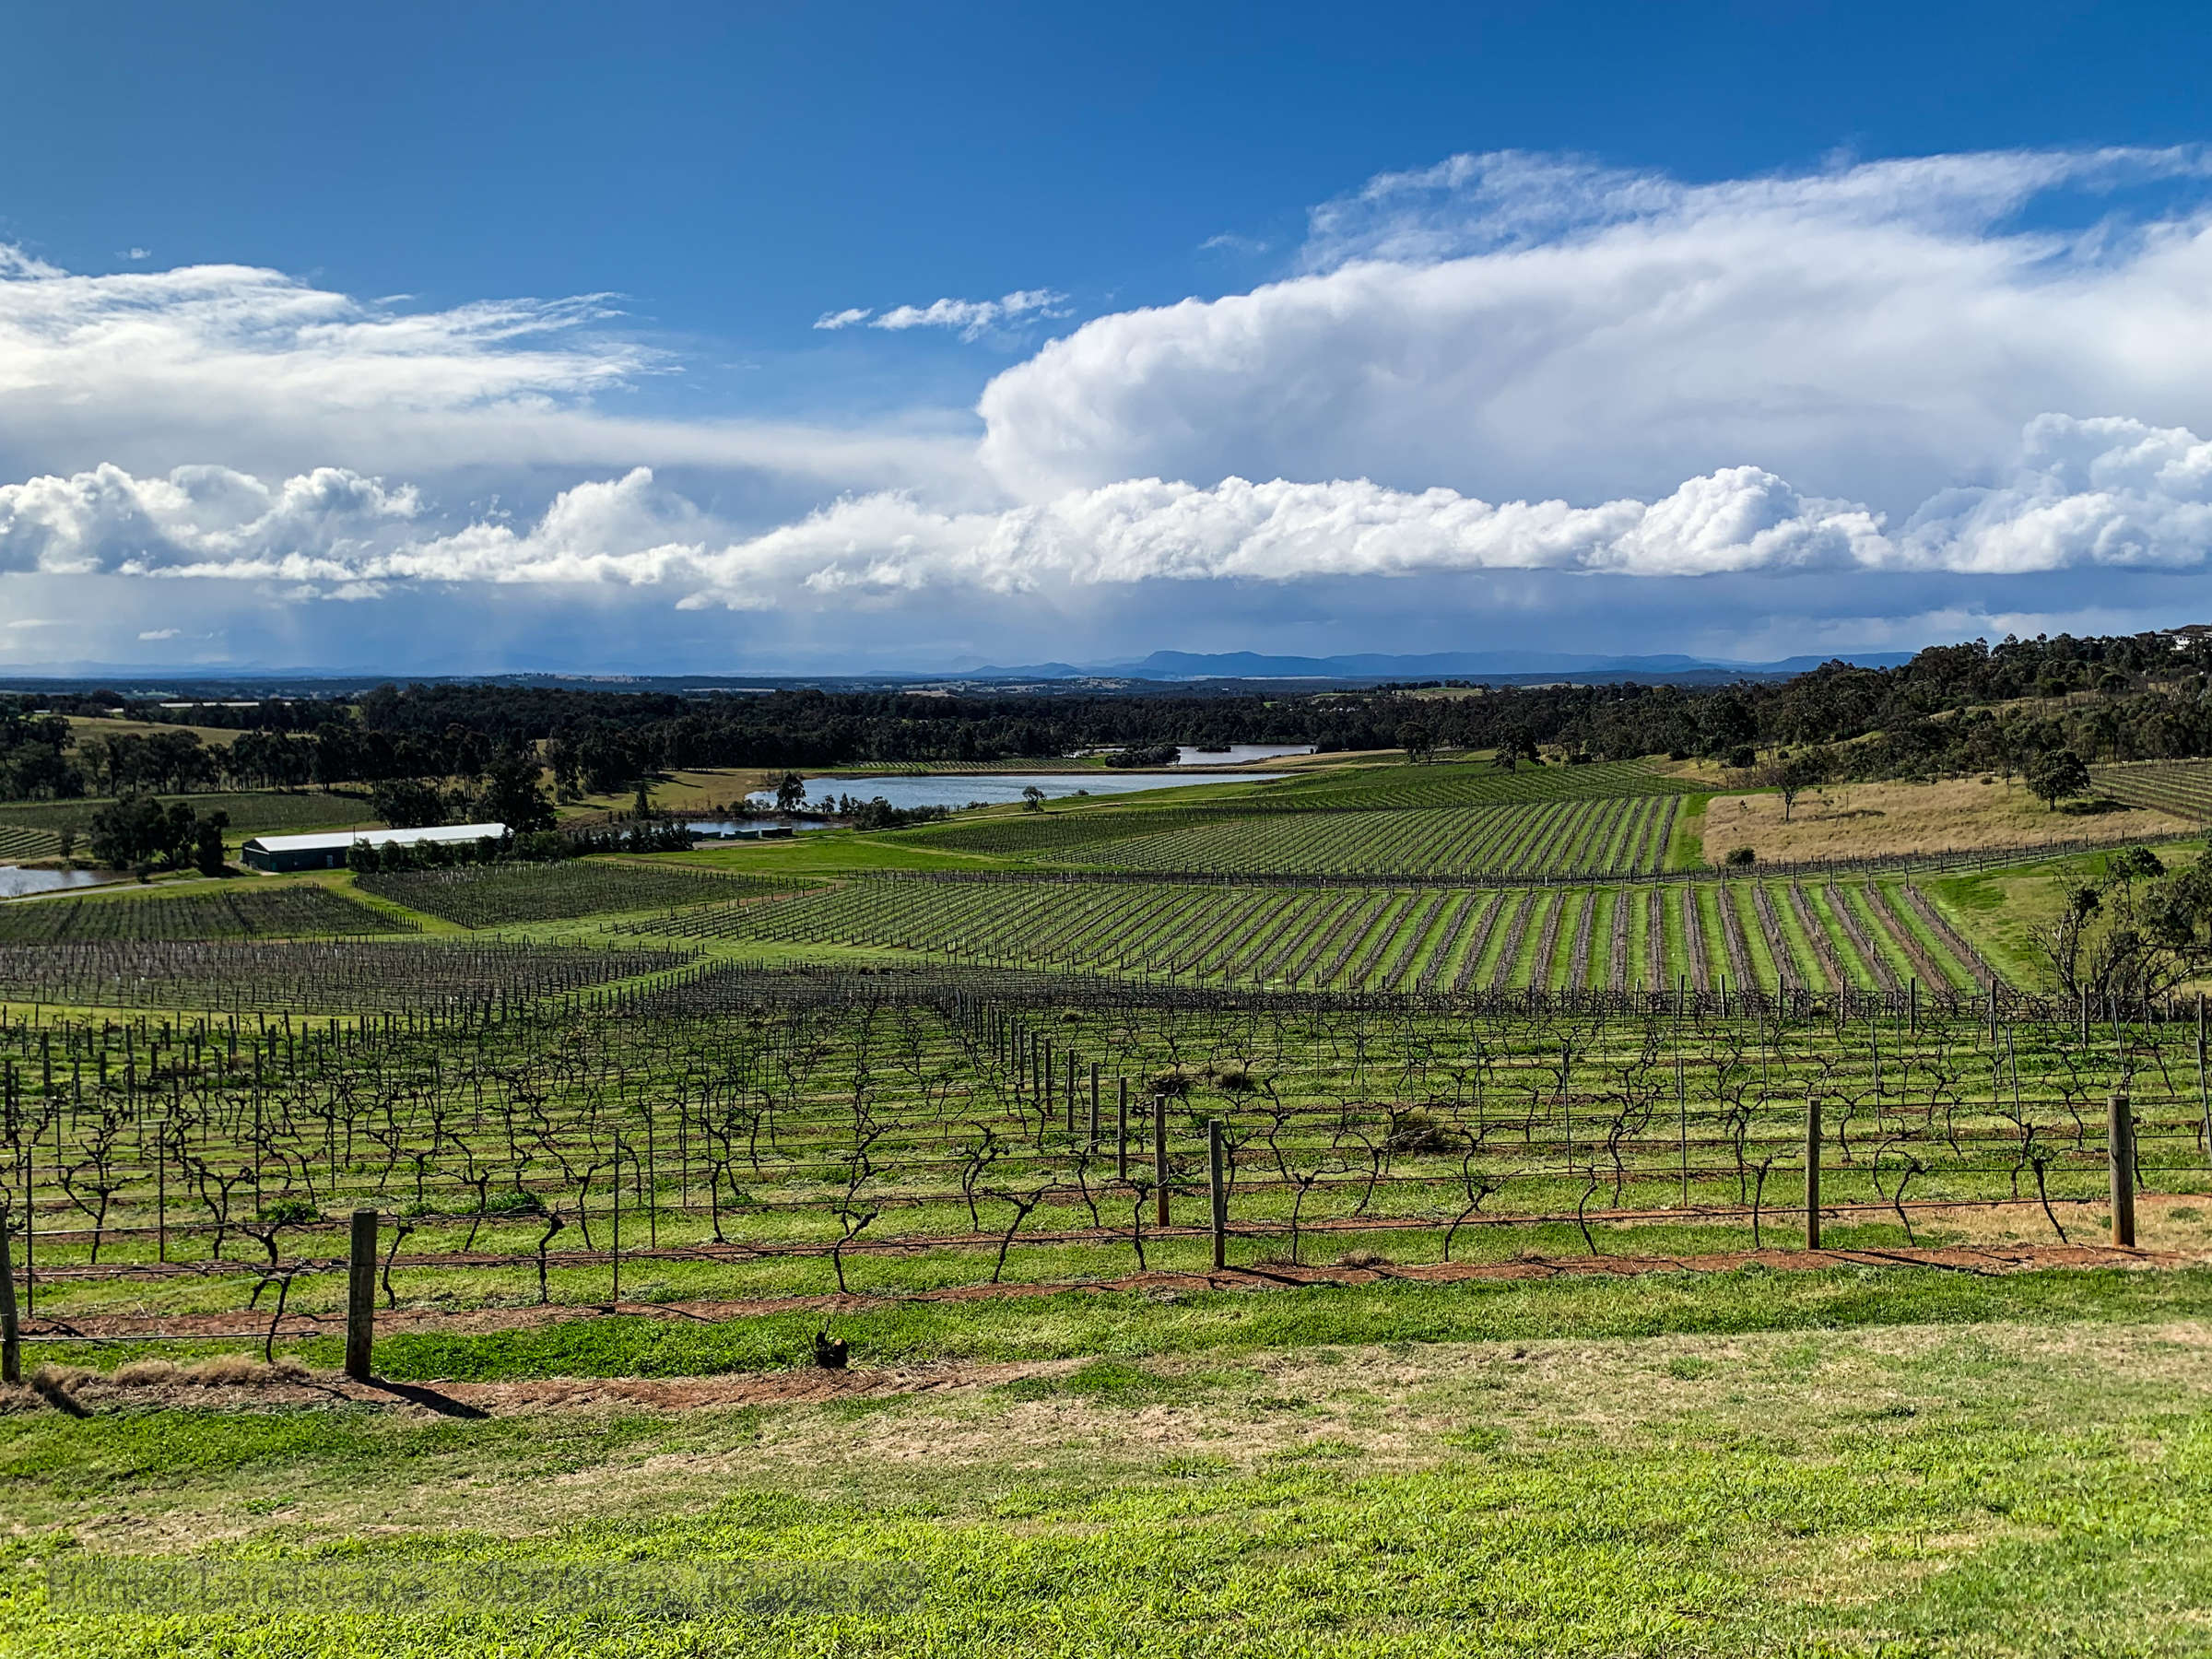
[277, 854]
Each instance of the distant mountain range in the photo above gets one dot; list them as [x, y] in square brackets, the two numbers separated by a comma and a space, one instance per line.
[1498, 666]
[1495, 667]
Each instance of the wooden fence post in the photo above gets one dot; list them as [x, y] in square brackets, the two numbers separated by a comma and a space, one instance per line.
[11, 1346]
[2120, 1151]
[1219, 1174]
[1812, 1172]
[2203, 1093]
[1121, 1130]
[361, 1296]
[1682, 1120]
[1160, 1158]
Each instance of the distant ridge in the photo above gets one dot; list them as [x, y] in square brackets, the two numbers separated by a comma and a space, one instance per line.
[1162, 668]
[1444, 664]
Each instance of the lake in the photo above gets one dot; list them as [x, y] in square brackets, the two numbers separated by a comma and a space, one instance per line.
[999, 788]
[16, 883]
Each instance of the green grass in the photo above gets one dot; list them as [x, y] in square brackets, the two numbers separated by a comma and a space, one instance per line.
[1744, 1464]
[1686, 847]
[1125, 1325]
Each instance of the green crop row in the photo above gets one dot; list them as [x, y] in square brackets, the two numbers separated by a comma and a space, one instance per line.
[286, 913]
[2181, 787]
[17, 842]
[1472, 783]
[250, 811]
[1865, 937]
[499, 895]
[1623, 836]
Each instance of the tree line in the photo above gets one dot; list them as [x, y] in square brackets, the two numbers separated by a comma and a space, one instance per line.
[1971, 707]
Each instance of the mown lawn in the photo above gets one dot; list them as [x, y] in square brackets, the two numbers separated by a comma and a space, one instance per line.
[1752, 1464]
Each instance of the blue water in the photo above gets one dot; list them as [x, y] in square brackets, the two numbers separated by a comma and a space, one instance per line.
[1237, 754]
[16, 883]
[998, 788]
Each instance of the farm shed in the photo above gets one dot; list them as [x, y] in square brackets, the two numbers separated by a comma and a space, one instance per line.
[277, 854]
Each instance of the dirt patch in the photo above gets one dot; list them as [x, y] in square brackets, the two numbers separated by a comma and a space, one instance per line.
[294, 1387]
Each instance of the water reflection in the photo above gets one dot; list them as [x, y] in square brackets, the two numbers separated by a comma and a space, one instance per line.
[15, 883]
[998, 789]
[1237, 754]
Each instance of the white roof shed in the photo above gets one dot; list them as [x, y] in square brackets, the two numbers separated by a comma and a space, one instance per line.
[328, 850]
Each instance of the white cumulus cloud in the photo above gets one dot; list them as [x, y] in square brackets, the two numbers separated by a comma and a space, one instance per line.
[1514, 324]
[2083, 493]
[972, 319]
[269, 373]
[195, 517]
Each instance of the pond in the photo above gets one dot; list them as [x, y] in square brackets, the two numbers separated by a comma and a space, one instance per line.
[14, 883]
[766, 829]
[1237, 754]
[999, 788]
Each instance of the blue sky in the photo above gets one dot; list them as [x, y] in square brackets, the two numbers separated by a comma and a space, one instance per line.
[706, 337]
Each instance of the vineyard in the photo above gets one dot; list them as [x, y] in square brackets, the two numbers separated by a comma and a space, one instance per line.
[1407, 820]
[286, 913]
[2181, 787]
[339, 976]
[251, 811]
[1471, 783]
[1626, 836]
[746, 1134]
[18, 843]
[476, 896]
[1768, 935]
[1062, 830]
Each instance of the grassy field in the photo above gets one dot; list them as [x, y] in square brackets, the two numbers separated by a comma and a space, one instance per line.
[1867, 820]
[1731, 1465]
[83, 727]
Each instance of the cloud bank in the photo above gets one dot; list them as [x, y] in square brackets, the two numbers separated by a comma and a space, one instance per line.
[1511, 324]
[263, 373]
[2101, 492]
[1798, 395]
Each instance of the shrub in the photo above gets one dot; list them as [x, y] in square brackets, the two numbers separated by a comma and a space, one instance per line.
[1417, 1131]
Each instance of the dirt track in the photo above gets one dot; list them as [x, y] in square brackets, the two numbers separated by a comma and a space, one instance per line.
[83, 1395]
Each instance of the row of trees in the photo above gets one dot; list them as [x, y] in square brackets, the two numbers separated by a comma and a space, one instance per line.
[139, 833]
[1951, 709]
